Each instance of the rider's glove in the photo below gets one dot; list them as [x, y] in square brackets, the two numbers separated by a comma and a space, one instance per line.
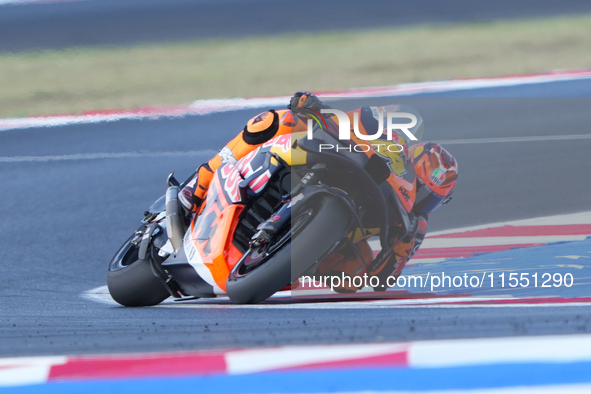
[305, 100]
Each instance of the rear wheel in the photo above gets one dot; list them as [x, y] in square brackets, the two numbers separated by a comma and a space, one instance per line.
[316, 228]
[131, 281]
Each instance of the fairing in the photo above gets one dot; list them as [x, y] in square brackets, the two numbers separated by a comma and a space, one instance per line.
[208, 245]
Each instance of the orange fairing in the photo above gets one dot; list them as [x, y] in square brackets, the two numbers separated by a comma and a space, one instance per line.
[218, 253]
[211, 234]
[406, 190]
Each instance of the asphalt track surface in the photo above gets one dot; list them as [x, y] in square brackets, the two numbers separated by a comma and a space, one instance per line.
[59, 25]
[62, 220]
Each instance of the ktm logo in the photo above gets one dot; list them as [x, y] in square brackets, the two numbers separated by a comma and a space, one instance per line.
[404, 193]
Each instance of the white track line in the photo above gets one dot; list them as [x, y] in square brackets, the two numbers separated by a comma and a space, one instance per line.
[122, 155]
[101, 295]
[562, 389]
[546, 349]
[203, 107]
[94, 156]
[573, 218]
[16, 371]
[494, 241]
[445, 353]
[430, 243]
[515, 139]
[511, 350]
[24, 2]
[385, 304]
[261, 360]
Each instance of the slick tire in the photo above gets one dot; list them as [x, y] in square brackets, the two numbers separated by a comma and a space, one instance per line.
[327, 226]
[131, 282]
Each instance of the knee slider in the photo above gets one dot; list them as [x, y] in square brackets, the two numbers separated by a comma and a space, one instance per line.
[261, 128]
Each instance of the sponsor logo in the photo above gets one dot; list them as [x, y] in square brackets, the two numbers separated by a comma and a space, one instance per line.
[437, 177]
[227, 156]
[404, 193]
[259, 183]
[232, 177]
[289, 119]
[282, 142]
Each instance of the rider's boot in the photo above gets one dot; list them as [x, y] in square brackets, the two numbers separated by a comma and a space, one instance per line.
[193, 193]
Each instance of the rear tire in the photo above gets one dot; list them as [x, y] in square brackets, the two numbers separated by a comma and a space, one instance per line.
[131, 282]
[323, 230]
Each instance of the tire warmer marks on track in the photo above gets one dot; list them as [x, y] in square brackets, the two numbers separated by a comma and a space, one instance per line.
[497, 365]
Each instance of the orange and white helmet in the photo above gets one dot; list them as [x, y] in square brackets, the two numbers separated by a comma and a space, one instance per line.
[437, 172]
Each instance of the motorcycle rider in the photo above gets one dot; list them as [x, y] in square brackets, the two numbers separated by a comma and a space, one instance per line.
[436, 173]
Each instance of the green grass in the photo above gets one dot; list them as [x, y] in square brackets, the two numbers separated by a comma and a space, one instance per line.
[82, 79]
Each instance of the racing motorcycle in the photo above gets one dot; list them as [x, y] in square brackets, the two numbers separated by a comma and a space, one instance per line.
[267, 220]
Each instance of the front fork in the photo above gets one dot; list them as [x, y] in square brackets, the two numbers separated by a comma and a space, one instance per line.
[144, 241]
[268, 229]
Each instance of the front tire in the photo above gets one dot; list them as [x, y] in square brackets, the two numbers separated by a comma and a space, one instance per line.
[131, 281]
[320, 233]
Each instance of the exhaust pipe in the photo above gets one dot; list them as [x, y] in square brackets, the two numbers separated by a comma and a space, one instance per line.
[175, 225]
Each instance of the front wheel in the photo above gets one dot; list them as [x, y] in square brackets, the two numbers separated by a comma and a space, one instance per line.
[131, 281]
[315, 229]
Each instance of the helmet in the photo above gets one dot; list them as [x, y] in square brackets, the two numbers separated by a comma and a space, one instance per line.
[437, 172]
